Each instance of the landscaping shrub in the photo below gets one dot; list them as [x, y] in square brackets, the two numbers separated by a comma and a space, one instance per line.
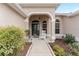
[75, 45]
[58, 50]
[69, 39]
[11, 40]
[75, 53]
[72, 52]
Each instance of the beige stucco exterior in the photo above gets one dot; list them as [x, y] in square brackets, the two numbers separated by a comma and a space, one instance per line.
[23, 14]
[9, 17]
[20, 16]
[71, 25]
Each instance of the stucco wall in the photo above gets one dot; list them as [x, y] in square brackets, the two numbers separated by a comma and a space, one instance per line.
[71, 25]
[10, 17]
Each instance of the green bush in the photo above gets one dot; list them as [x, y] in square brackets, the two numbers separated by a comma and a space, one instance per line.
[75, 45]
[58, 50]
[11, 40]
[75, 53]
[69, 39]
[72, 53]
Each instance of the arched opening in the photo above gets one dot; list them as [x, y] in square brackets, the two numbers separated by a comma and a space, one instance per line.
[39, 25]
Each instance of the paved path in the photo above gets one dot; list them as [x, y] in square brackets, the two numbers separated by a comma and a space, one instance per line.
[39, 48]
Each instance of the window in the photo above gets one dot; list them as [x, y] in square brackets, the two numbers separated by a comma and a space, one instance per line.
[57, 26]
[44, 26]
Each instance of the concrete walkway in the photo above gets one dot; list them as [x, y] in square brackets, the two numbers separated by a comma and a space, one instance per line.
[39, 48]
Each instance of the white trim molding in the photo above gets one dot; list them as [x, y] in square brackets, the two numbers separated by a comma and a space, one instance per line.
[18, 9]
[59, 36]
[40, 13]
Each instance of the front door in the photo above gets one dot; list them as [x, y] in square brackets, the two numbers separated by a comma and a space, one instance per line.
[35, 29]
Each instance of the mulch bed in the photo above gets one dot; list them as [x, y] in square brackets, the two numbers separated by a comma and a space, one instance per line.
[25, 50]
[62, 44]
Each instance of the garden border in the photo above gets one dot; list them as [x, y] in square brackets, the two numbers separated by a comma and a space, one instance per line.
[28, 52]
[51, 50]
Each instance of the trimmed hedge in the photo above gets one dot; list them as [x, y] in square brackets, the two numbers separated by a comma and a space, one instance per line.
[11, 40]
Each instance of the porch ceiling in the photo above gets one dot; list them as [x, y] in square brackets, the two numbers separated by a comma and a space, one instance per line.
[31, 5]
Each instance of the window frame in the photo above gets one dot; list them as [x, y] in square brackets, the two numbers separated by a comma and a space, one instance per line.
[57, 23]
[44, 26]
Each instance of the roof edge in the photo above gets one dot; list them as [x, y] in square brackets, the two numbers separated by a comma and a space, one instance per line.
[70, 14]
[18, 9]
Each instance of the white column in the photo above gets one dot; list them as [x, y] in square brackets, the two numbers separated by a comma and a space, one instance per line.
[53, 27]
[49, 29]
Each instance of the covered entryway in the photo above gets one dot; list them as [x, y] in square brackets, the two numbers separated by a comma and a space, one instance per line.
[38, 25]
[45, 14]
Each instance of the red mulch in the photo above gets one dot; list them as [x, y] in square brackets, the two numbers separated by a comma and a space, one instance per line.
[62, 44]
[25, 50]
